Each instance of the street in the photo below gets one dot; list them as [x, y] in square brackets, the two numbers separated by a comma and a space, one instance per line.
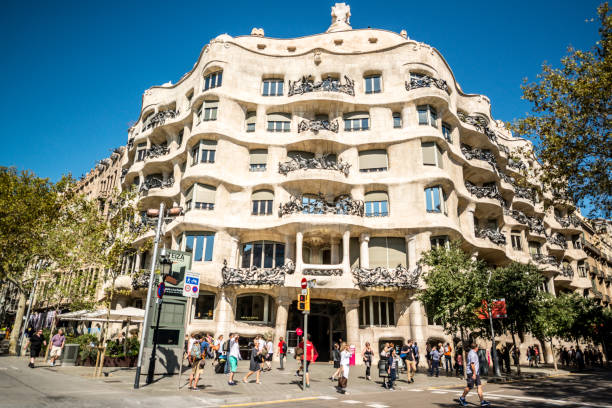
[73, 387]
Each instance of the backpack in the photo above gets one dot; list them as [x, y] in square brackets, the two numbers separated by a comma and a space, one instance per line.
[284, 347]
[209, 352]
[195, 351]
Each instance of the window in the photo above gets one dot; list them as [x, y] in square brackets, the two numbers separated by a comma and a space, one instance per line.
[397, 120]
[446, 132]
[213, 80]
[136, 181]
[251, 119]
[582, 269]
[432, 154]
[373, 84]
[377, 204]
[254, 308]
[515, 237]
[535, 248]
[387, 252]
[434, 200]
[576, 242]
[272, 87]
[208, 111]
[376, 311]
[356, 121]
[427, 115]
[258, 159]
[200, 197]
[439, 241]
[279, 122]
[373, 160]
[263, 254]
[205, 306]
[200, 244]
[179, 138]
[141, 152]
[262, 202]
[204, 152]
[310, 205]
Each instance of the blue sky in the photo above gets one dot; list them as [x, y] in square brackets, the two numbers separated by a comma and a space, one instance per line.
[74, 71]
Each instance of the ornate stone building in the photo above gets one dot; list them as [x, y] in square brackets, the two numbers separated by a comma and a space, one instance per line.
[338, 157]
[597, 243]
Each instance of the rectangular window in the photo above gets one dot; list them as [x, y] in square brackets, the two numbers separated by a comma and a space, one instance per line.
[179, 138]
[262, 207]
[432, 154]
[200, 245]
[355, 123]
[434, 199]
[373, 160]
[377, 208]
[272, 87]
[515, 237]
[194, 155]
[534, 248]
[446, 132]
[277, 124]
[251, 119]
[210, 110]
[213, 80]
[397, 120]
[373, 84]
[427, 115]
[439, 241]
[207, 156]
[141, 153]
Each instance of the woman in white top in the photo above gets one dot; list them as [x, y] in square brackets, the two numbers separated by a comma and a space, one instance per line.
[345, 361]
[270, 348]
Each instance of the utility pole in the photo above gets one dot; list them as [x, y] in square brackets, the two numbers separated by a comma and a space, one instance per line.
[306, 312]
[145, 322]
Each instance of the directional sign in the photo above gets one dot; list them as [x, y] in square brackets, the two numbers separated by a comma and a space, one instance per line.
[191, 288]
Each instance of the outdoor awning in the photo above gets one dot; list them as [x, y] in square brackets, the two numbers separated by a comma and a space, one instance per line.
[116, 315]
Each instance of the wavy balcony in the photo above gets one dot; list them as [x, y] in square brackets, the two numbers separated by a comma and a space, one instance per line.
[344, 205]
[425, 81]
[157, 151]
[317, 125]
[471, 153]
[255, 276]
[542, 259]
[568, 222]
[152, 181]
[159, 119]
[491, 192]
[557, 239]
[326, 162]
[399, 277]
[492, 235]
[534, 224]
[306, 85]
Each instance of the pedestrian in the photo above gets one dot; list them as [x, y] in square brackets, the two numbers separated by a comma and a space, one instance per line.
[258, 357]
[428, 356]
[448, 364]
[218, 346]
[435, 362]
[35, 342]
[336, 359]
[579, 358]
[226, 348]
[282, 351]
[410, 362]
[198, 363]
[367, 355]
[310, 356]
[530, 356]
[536, 355]
[234, 356]
[392, 369]
[57, 345]
[473, 377]
[268, 356]
[459, 362]
[417, 356]
[345, 361]
[261, 342]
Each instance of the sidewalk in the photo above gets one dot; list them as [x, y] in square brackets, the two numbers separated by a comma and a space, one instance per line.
[276, 384]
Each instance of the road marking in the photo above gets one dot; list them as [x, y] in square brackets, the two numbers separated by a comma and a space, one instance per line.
[377, 406]
[439, 392]
[249, 404]
[327, 397]
[416, 390]
[549, 401]
[351, 402]
[14, 368]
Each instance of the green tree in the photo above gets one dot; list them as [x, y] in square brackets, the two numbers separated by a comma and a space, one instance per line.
[553, 319]
[571, 123]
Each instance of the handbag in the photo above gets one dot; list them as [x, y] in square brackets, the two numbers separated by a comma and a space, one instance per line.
[342, 381]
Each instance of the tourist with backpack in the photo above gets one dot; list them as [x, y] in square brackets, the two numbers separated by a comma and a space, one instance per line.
[197, 363]
[282, 351]
[392, 364]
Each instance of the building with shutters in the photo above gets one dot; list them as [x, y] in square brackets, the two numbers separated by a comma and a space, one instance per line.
[339, 157]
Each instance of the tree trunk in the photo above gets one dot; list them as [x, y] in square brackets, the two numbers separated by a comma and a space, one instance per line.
[517, 350]
[17, 326]
[463, 354]
[552, 349]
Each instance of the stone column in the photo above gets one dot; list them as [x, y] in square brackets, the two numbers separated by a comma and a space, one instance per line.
[335, 256]
[417, 326]
[411, 250]
[289, 250]
[299, 239]
[351, 306]
[282, 312]
[364, 250]
[551, 285]
[471, 208]
[224, 313]
[346, 259]
[234, 258]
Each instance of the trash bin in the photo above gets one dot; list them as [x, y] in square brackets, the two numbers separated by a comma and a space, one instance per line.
[70, 354]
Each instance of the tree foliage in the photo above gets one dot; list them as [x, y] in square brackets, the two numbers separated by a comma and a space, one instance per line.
[571, 123]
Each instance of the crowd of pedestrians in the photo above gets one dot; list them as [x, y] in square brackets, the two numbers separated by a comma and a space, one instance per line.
[580, 359]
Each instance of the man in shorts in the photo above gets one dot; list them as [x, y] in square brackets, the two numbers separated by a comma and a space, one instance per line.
[473, 377]
[234, 356]
[57, 345]
[198, 363]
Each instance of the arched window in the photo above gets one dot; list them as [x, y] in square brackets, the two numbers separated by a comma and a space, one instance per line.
[377, 204]
[263, 254]
[254, 308]
[279, 122]
[213, 80]
[262, 202]
[356, 121]
[376, 311]
[205, 306]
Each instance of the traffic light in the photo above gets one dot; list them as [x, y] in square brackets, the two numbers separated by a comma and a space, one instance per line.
[304, 301]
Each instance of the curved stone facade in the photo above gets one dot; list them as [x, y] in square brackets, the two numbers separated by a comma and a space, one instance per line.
[341, 157]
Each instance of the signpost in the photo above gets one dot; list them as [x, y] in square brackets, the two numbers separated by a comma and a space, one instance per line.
[191, 288]
[304, 305]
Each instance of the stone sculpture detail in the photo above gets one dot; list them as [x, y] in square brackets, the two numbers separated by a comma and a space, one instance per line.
[344, 205]
[399, 277]
[306, 84]
[425, 81]
[341, 18]
[255, 275]
[323, 163]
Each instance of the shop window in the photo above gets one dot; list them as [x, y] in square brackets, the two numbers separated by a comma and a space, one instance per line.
[254, 308]
[376, 311]
[205, 306]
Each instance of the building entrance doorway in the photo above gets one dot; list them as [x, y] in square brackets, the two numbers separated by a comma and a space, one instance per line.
[326, 324]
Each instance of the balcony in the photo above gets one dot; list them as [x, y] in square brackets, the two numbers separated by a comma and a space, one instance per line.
[568, 221]
[545, 259]
[306, 84]
[155, 182]
[534, 224]
[323, 270]
[344, 205]
[255, 275]
[485, 192]
[325, 162]
[567, 272]
[159, 119]
[493, 235]
[557, 239]
[157, 151]
[399, 277]
[471, 153]
[317, 125]
[425, 81]
[518, 165]
[525, 193]
[480, 123]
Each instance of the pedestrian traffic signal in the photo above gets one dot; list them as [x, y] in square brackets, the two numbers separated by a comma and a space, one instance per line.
[304, 300]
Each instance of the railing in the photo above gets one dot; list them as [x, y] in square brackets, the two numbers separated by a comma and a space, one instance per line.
[517, 164]
[316, 125]
[568, 221]
[157, 151]
[525, 193]
[557, 239]
[156, 182]
[425, 81]
[536, 225]
[159, 119]
[130, 143]
[322, 271]
[480, 123]
[345, 205]
[307, 84]
[485, 192]
[493, 235]
[321, 163]
[255, 275]
[140, 280]
[474, 153]
[399, 277]
[545, 259]
[567, 272]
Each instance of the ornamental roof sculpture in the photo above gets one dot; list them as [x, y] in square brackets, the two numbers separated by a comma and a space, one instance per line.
[341, 18]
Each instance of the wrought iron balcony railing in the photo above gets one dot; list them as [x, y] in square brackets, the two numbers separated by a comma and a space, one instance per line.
[517, 164]
[526, 193]
[545, 259]
[159, 119]
[157, 151]
[535, 225]
[567, 272]
[156, 182]
[474, 153]
[325, 162]
[307, 84]
[557, 239]
[480, 123]
[425, 81]
[485, 192]
[317, 125]
[493, 235]
[344, 205]
[255, 275]
[399, 277]
[568, 221]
